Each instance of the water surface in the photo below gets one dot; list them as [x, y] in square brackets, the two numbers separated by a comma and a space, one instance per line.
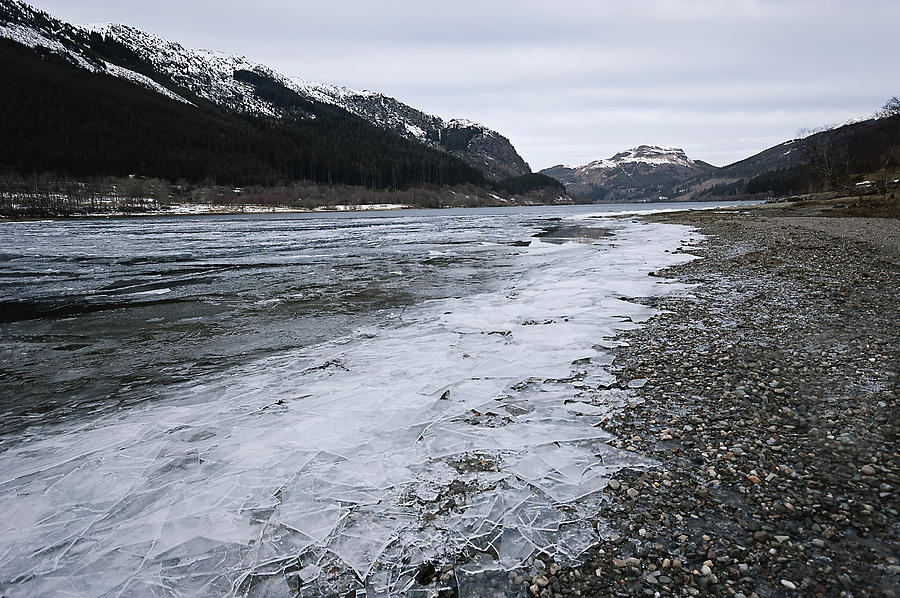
[204, 405]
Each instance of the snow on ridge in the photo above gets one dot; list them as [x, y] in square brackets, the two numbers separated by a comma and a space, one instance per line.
[144, 81]
[209, 74]
[878, 115]
[654, 155]
[417, 132]
[884, 112]
[331, 94]
[390, 113]
[599, 164]
[464, 123]
[33, 38]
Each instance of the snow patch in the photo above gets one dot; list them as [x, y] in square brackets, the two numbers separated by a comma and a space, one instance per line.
[144, 81]
[33, 39]
[654, 155]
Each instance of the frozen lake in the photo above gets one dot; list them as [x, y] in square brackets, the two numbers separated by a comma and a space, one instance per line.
[266, 405]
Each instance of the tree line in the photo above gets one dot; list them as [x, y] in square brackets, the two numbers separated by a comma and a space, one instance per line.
[76, 124]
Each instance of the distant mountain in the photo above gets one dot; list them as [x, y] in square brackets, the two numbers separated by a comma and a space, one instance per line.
[646, 172]
[204, 86]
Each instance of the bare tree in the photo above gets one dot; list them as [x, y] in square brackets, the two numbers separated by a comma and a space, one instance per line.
[826, 150]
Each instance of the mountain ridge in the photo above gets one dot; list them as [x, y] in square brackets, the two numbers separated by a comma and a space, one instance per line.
[183, 74]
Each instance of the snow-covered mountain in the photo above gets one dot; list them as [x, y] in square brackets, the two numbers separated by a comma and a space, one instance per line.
[642, 172]
[235, 83]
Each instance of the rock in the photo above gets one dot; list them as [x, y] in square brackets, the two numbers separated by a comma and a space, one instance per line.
[540, 581]
[867, 470]
[788, 584]
[614, 484]
[632, 493]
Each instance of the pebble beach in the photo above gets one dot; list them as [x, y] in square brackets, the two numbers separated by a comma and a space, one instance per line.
[770, 411]
[767, 411]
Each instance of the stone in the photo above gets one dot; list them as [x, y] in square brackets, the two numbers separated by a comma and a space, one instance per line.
[868, 470]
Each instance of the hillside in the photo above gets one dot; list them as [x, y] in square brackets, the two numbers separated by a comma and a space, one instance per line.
[113, 100]
[831, 159]
[74, 122]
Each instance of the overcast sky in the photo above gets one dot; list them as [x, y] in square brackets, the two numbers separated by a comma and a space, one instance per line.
[567, 81]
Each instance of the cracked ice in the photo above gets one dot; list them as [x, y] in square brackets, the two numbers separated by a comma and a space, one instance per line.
[461, 426]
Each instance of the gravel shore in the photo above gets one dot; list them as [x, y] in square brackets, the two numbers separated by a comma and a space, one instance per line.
[770, 410]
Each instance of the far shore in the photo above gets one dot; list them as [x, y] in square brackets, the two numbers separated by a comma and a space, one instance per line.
[219, 210]
[187, 209]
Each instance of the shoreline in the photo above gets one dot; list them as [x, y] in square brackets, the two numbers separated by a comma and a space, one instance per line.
[770, 410]
[208, 210]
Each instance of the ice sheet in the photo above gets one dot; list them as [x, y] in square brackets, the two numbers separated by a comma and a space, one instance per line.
[461, 425]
